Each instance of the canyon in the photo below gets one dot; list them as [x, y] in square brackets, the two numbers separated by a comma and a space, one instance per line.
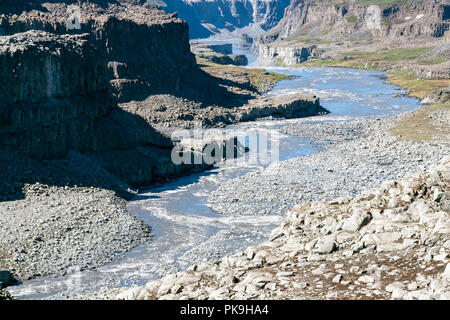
[70, 131]
[88, 107]
[206, 18]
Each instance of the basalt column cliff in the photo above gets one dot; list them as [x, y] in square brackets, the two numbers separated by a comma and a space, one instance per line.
[60, 86]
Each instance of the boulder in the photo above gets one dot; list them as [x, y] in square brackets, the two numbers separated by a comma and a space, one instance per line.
[358, 220]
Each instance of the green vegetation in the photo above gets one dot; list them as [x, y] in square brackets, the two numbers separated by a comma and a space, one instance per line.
[381, 3]
[279, 62]
[430, 61]
[384, 3]
[311, 40]
[258, 78]
[405, 53]
[325, 31]
[406, 78]
[352, 19]
[324, 63]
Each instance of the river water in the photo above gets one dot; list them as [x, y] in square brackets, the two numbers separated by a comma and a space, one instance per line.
[186, 231]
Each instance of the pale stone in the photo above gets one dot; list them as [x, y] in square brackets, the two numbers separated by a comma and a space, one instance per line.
[357, 221]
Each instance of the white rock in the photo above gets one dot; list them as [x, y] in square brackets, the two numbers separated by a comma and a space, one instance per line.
[447, 244]
[152, 286]
[366, 279]
[326, 245]
[250, 253]
[398, 293]
[412, 286]
[446, 274]
[357, 221]
[394, 285]
[130, 294]
[337, 278]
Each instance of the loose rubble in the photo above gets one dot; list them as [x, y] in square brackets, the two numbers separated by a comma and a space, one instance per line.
[62, 216]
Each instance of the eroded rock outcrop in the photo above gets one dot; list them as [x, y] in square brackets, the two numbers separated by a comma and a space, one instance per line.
[287, 107]
[56, 98]
[284, 55]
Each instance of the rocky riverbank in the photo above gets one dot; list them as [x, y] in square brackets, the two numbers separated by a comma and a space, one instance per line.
[388, 242]
[73, 217]
[355, 154]
[168, 111]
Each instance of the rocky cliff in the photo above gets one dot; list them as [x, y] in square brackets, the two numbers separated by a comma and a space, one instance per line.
[57, 84]
[333, 20]
[284, 55]
[207, 17]
[156, 56]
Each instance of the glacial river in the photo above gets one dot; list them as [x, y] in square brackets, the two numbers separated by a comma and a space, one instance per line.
[186, 231]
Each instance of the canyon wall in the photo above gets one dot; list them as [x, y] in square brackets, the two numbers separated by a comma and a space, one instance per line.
[156, 57]
[206, 17]
[57, 85]
[280, 56]
[306, 19]
[310, 25]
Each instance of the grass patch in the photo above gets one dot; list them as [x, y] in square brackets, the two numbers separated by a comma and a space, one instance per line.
[419, 126]
[279, 62]
[388, 55]
[430, 61]
[419, 88]
[311, 40]
[325, 31]
[384, 3]
[352, 19]
[324, 63]
[260, 76]
[405, 53]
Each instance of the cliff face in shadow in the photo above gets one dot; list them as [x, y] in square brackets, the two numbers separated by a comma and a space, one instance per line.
[144, 48]
[60, 87]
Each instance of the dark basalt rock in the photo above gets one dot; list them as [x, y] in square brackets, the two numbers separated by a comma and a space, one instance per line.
[6, 279]
[56, 84]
